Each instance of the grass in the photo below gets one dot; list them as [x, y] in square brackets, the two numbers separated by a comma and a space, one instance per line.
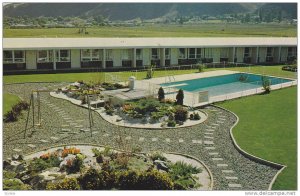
[100, 76]
[9, 101]
[268, 129]
[200, 30]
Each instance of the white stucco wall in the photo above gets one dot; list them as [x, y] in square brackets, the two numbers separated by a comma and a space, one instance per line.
[216, 54]
[31, 59]
[75, 58]
[146, 56]
[174, 56]
[117, 57]
[240, 54]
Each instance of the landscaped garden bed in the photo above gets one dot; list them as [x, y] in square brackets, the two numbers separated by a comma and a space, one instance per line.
[152, 113]
[78, 90]
[94, 168]
[141, 113]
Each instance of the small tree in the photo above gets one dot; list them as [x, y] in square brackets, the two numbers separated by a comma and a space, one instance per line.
[266, 84]
[200, 68]
[179, 97]
[150, 72]
[161, 94]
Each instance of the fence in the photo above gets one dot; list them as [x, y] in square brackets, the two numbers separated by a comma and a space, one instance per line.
[248, 92]
[139, 74]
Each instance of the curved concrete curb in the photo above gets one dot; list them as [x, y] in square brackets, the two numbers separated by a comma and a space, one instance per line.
[253, 157]
[97, 145]
[150, 128]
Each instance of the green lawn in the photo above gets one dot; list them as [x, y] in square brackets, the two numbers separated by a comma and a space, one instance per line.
[268, 129]
[99, 76]
[200, 30]
[8, 101]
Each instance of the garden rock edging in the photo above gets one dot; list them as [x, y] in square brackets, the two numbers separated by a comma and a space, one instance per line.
[253, 157]
[97, 110]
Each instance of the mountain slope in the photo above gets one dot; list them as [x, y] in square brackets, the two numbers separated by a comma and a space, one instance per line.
[126, 11]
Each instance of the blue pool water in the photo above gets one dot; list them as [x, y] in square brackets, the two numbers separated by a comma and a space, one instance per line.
[220, 85]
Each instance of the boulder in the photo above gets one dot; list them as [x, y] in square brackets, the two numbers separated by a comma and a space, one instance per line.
[64, 162]
[6, 164]
[161, 165]
[17, 157]
[91, 162]
[38, 182]
[21, 168]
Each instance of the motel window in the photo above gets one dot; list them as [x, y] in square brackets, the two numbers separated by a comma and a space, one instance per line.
[155, 54]
[247, 52]
[208, 52]
[167, 53]
[126, 54]
[62, 55]
[292, 51]
[8, 56]
[16, 56]
[90, 55]
[192, 53]
[269, 51]
[108, 55]
[182, 54]
[139, 55]
[44, 56]
[224, 53]
[198, 53]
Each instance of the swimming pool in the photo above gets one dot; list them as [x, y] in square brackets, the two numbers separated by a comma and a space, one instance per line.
[224, 84]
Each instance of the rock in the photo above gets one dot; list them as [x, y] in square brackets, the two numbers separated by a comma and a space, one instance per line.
[17, 157]
[51, 174]
[53, 169]
[25, 178]
[38, 182]
[161, 165]
[72, 176]
[119, 119]
[15, 163]
[21, 168]
[6, 164]
[91, 162]
[64, 162]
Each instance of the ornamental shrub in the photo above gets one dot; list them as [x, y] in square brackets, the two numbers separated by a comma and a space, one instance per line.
[196, 116]
[65, 184]
[180, 114]
[201, 68]
[154, 180]
[266, 84]
[179, 97]
[97, 180]
[161, 94]
[15, 184]
[171, 123]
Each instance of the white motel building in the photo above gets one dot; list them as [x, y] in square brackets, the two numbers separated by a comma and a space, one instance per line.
[56, 54]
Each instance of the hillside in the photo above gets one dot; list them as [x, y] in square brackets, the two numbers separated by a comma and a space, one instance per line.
[127, 11]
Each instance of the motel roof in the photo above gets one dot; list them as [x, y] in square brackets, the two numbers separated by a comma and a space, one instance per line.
[110, 43]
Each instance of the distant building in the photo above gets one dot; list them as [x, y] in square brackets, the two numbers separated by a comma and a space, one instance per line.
[117, 53]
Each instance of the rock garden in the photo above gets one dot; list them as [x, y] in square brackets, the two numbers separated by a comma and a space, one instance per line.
[146, 112]
[95, 168]
[62, 124]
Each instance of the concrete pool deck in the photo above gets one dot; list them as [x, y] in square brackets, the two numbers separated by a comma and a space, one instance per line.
[199, 98]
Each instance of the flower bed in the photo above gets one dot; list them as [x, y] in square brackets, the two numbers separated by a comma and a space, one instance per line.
[103, 169]
[79, 89]
[150, 111]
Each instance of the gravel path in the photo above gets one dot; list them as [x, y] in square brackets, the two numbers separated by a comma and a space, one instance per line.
[209, 141]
